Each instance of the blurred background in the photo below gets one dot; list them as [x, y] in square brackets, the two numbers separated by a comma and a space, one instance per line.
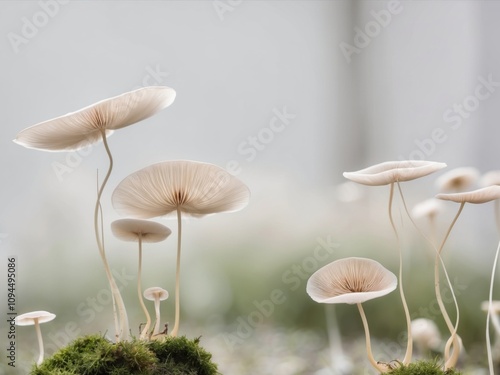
[353, 83]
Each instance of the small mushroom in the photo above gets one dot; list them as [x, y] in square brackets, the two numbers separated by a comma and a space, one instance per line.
[140, 231]
[390, 173]
[429, 209]
[179, 187]
[156, 294]
[457, 179]
[426, 335]
[35, 318]
[353, 281]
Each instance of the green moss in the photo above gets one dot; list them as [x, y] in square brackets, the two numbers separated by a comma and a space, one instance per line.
[422, 368]
[95, 355]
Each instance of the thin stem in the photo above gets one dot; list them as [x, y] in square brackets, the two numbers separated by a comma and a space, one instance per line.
[40, 341]
[145, 330]
[157, 313]
[409, 345]
[438, 293]
[177, 274]
[490, 301]
[124, 329]
[374, 363]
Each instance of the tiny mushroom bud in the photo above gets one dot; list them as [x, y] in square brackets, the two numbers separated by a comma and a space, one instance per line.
[353, 281]
[35, 318]
[156, 294]
[426, 335]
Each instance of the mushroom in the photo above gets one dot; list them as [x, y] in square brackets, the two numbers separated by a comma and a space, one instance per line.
[140, 231]
[429, 209]
[96, 122]
[478, 196]
[457, 179]
[35, 318]
[156, 294]
[426, 335]
[353, 281]
[179, 187]
[389, 173]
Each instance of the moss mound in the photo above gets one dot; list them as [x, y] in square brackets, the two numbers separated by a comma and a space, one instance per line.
[95, 355]
[422, 368]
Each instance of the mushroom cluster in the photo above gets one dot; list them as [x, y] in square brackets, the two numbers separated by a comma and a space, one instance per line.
[184, 188]
[345, 280]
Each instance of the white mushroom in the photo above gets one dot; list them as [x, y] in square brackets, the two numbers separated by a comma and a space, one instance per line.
[353, 281]
[390, 173]
[179, 187]
[156, 294]
[457, 179]
[96, 122]
[140, 231]
[35, 318]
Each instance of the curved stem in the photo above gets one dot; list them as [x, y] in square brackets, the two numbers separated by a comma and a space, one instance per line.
[40, 342]
[449, 362]
[374, 363]
[157, 313]
[438, 293]
[409, 345]
[123, 324]
[145, 330]
[490, 299]
[177, 274]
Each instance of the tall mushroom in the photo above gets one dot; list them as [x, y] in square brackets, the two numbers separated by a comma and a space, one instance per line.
[140, 231]
[96, 122]
[179, 187]
[35, 318]
[353, 281]
[156, 294]
[390, 173]
[483, 195]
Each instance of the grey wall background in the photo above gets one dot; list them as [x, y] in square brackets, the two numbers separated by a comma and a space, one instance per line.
[234, 65]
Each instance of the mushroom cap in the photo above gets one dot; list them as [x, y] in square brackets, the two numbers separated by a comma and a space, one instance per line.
[350, 280]
[79, 129]
[482, 195]
[457, 179]
[427, 208]
[154, 293]
[28, 319]
[130, 229]
[393, 171]
[490, 178]
[425, 333]
[195, 188]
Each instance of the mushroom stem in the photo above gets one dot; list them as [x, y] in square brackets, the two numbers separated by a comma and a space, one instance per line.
[374, 363]
[449, 362]
[123, 320]
[145, 330]
[40, 341]
[177, 274]
[157, 313]
[409, 345]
